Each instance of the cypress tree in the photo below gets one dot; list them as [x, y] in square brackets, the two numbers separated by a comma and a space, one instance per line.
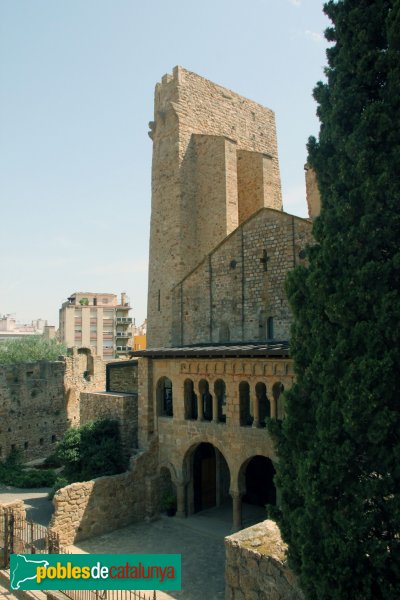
[339, 446]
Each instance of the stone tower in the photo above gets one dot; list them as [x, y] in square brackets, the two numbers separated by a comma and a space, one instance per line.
[312, 191]
[215, 163]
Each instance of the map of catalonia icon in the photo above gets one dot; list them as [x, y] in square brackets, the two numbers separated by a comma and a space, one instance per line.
[24, 570]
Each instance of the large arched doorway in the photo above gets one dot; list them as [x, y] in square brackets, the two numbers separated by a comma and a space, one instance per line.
[257, 483]
[210, 479]
[259, 475]
[204, 477]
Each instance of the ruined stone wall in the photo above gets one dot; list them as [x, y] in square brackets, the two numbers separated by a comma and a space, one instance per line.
[122, 378]
[40, 400]
[15, 508]
[241, 284]
[108, 405]
[256, 566]
[90, 508]
[198, 131]
[84, 372]
[33, 408]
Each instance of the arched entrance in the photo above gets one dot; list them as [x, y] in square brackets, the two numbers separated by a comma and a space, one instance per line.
[209, 480]
[204, 477]
[260, 487]
[256, 480]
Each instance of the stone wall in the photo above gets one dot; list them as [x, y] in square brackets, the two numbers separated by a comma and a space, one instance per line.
[16, 508]
[40, 400]
[84, 372]
[122, 377]
[33, 408]
[256, 567]
[90, 508]
[313, 195]
[108, 405]
[240, 285]
[208, 143]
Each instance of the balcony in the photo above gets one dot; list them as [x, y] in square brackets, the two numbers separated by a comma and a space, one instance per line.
[124, 320]
[124, 348]
[122, 334]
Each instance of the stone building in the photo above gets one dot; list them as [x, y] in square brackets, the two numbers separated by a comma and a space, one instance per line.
[39, 401]
[217, 357]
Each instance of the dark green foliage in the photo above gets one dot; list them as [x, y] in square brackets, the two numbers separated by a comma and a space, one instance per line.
[52, 461]
[59, 483]
[12, 473]
[339, 447]
[92, 450]
[30, 348]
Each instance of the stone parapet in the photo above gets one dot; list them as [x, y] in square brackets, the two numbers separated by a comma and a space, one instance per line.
[256, 565]
[90, 508]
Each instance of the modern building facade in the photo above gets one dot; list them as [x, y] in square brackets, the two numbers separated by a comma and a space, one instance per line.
[95, 320]
[11, 329]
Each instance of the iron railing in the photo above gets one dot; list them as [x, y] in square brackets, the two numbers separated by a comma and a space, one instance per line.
[109, 595]
[19, 536]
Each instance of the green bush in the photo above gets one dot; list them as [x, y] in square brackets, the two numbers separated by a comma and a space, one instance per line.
[52, 461]
[92, 450]
[33, 478]
[60, 482]
[30, 348]
[12, 473]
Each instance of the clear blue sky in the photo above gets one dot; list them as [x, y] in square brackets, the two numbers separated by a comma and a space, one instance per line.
[76, 94]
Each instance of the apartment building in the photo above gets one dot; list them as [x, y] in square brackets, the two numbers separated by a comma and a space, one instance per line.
[98, 321]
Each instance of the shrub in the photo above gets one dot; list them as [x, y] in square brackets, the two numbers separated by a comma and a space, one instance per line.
[12, 473]
[60, 482]
[31, 348]
[92, 450]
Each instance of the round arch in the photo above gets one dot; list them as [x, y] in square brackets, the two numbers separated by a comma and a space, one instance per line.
[209, 476]
[195, 442]
[256, 481]
[164, 397]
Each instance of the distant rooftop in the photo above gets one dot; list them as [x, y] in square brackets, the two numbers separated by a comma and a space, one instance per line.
[97, 299]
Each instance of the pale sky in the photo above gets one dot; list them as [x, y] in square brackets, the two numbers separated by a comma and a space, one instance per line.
[77, 80]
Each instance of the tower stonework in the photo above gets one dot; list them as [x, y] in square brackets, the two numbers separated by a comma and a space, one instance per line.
[215, 163]
[312, 191]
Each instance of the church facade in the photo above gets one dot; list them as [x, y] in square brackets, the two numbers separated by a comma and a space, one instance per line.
[217, 357]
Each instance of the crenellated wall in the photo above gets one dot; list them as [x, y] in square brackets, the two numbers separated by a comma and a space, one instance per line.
[40, 400]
